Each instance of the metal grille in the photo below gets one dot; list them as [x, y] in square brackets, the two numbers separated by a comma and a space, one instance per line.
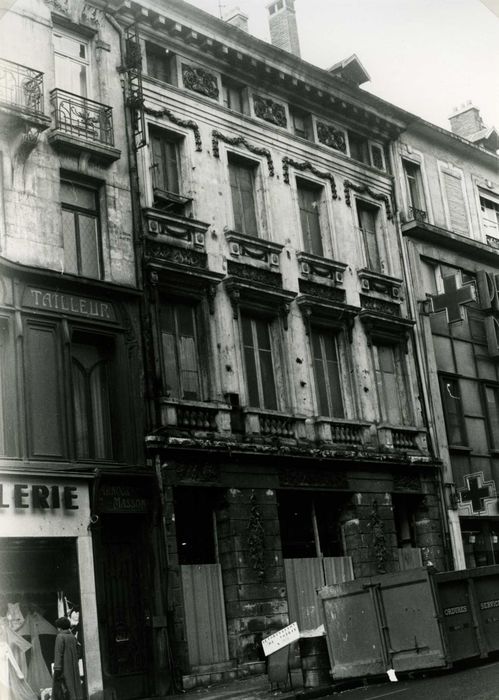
[21, 86]
[82, 117]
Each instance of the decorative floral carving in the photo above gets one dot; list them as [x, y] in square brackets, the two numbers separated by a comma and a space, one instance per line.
[365, 189]
[186, 123]
[200, 80]
[217, 136]
[380, 305]
[92, 15]
[331, 136]
[180, 256]
[256, 538]
[378, 539]
[197, 472]
[59, 5]
[307, 165]
[255, 274]
[269, 110]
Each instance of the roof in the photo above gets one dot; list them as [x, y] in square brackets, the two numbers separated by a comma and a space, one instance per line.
[350, 69]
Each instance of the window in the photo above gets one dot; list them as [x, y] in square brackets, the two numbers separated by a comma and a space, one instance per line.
[310, 202]
[164, 161]
[492, 407]
[242, 186]
[71, 64]
[81, 229]
[359, 148]
[391, 383]
[310, 524]
[258, 362]
[453, 410]
[490, 217]
[232, 95]
[300, 123]
[456, 204]
[158, 62]
[368, 216]
[195, 545]
[91, 364]
[8, 404]
[378, 159]
[327, 373]
[415, 190]
[179, 346]
[405, 510]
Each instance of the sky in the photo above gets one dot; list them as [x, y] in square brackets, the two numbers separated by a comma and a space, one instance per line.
[426, 56]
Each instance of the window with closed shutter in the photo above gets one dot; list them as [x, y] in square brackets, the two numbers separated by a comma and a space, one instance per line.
[242, 187]
[258, 362]
[181, 376]
[391, 382]
[309, 201]
[458, 218]
[164, 162]
[368, 224]
[327, 374]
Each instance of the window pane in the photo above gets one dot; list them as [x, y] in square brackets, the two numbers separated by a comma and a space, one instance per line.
[82, 438]
[491, 398]
[251, 376]
[368, 225]
[247, 332]
[268, 381]
[451, 398]
[170, 374]
[69, 241]
[262, 334]
[320, 385]
[78, 196]
[333, 377]
[189, 367]
[101, 414]
[185, 318]
[243, 198]
[309, 200]
[89, 246]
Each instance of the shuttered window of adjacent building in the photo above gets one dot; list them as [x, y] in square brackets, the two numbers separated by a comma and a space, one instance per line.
[456, 203]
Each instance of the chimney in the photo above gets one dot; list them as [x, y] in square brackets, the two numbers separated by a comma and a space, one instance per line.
[283, 28]
[237, 18]
[466, 121]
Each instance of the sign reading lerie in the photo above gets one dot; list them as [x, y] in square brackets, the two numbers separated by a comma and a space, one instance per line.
[280, 639]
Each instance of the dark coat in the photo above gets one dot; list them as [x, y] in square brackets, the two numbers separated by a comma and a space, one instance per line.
[66, 661]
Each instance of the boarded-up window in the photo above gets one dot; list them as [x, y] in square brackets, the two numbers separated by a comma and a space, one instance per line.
[327, 374]
[258, 363]
[180, 351]
[455, 201]
[368, 224]
[43, 378]
[392, 389]
[242, 186]
[310, 202]
[453, 410]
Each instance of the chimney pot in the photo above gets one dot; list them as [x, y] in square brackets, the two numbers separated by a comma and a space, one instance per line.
[466, 121]
[237, 18]
[283, 27]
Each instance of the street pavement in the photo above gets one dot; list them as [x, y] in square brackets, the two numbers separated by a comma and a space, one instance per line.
[472, 683]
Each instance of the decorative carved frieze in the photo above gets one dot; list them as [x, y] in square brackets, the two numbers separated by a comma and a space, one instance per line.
[256, 249]
[380, 305]
[321, 291]
[331, 136]
[197, 472]
[382, 284]
[293, 476]
[92, 15]
[175, 227]
[307, 165]
[269, 110]
[365, 189]
[200, 80]
[255, 274]
[186, 123]
[179, 256]
[321, 267]
[217, 136]
[407, 482]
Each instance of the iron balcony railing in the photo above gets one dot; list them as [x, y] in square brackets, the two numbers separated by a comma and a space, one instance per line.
[79, 116]
[21, 86]
[417, 214]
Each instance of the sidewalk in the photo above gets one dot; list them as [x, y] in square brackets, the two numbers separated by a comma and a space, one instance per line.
[255, 688]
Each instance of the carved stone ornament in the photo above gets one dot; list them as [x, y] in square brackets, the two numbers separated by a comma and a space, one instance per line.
[331, 136]
[91, 15]
[28, 142]
[217, 136]
[307, 165]
[58, 5]
[365, 189]
[255, 274]
[200, 80]
[380, 305]
[292, 476]
[269, 110]
[197, 472]
[179, 256]
[321, 291]
[186, 123]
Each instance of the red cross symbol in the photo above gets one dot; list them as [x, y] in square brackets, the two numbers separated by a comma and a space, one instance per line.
[453, 298]
[478, 490]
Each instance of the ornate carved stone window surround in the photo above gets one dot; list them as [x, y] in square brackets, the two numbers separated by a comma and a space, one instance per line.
[382, 284]
[383, 322]
[273, 112]
[258, 290]
[217, 136]
[200, 80]
[254, 251]
[307, 165]
[366, 189]
[328, 271]
[174, 229]
[325, 306]
[331, 136]
[185, 123]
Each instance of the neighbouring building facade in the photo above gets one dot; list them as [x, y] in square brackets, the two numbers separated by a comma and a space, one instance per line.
[287, 422]
[449, 197]
[78, 504]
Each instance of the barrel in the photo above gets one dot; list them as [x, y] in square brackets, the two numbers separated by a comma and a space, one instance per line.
[314, 661]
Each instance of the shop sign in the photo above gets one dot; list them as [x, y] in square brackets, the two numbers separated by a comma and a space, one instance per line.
[73, 304]
[122, 498]
[280, 639]
[488, 290]
[38, 497]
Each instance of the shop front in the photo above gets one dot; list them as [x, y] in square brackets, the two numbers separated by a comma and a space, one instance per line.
[46, 571]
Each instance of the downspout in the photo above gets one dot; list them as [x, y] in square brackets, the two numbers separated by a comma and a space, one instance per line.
[450, 519]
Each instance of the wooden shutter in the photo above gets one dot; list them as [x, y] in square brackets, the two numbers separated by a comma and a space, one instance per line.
[165, 168]
[171, 381]
[388, 385]
[456, 203]
[44, 380]
[187, 352]
[266, 365]
[309, 200]
[242, 187]
[368, 225]
[250, 362]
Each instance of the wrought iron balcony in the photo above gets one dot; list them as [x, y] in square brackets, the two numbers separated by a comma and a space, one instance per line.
[21, 87]
[82, 117]
[417, 214]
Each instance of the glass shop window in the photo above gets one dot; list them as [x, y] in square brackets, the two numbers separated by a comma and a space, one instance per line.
[38, 584]
[195, 524]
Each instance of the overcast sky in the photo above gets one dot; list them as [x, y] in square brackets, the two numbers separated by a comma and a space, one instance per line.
[426, 56]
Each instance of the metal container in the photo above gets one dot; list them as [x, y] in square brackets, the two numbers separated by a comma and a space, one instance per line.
[314, 661]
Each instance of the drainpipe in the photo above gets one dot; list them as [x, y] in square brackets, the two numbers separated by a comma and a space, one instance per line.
[450, 518]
